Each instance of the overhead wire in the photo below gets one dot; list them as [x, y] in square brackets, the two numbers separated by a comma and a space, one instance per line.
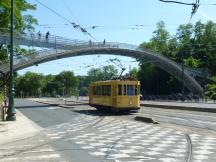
[178, 2]
[70, 11]
[75, 26]
[195, 6]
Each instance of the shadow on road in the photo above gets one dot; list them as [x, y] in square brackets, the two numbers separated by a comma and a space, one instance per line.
[30, 107]
[102, 113]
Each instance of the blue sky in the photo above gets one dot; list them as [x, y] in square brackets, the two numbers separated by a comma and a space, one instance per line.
[117, 20]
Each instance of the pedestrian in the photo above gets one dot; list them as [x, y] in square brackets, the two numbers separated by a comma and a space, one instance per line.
[39, 35]
[32, 36]
[104, 42]
[47, 36]
[90, 43]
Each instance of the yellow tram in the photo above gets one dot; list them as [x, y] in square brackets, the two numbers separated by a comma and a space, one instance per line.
[116, 95]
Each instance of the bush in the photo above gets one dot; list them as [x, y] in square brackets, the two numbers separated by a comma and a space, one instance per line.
[211, 91]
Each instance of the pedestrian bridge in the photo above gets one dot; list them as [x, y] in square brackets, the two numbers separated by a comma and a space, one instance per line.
[58, 48]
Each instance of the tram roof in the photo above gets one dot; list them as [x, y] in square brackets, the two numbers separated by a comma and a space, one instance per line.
[117, 81]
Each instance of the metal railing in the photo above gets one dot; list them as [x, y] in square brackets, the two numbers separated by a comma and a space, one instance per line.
[59, 47]
[61, 43]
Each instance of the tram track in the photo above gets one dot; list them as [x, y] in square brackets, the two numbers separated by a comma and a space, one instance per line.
[189, 148]
[183, 119]
[192, 124]
[99, 117]
[189, 153]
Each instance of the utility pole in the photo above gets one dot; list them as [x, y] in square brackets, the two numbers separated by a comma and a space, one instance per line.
[11, 114]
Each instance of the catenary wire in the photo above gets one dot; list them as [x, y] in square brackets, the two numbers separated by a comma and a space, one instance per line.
[75, 26]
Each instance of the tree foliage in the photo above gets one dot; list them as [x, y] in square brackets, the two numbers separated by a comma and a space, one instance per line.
[33, 84]
[104, 73]
[22, 21]
[192, 44]
[64, 83]
[29, 85]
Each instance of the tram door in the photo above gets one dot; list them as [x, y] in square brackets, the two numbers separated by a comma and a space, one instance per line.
[128, 92]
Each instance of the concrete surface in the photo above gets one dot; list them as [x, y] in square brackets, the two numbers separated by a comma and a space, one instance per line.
[19, 129]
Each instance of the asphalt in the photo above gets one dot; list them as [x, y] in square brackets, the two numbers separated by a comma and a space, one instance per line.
[190, 106]
[75, 135]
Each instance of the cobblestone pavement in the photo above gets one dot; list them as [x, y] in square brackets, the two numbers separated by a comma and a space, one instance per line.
[105, 139]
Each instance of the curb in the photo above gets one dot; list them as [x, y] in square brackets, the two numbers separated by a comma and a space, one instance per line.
[201, 109]
[188, 108]
[62, 105]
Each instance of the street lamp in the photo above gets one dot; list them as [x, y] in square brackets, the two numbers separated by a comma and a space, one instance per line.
[11, 114]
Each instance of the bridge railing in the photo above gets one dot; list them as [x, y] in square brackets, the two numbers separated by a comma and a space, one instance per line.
[57, 42]
[191, 70]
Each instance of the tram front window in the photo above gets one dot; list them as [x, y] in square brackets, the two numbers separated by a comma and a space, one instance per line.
[130, 90]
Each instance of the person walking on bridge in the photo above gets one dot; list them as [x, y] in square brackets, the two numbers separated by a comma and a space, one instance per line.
[39, 35]
[47, 36]
[90, 43]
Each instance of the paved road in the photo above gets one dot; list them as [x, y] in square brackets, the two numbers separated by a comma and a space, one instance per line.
[200, 121]
[195, 120]
[82, 134]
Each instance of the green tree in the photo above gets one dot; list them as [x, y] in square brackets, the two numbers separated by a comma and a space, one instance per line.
[95, 74]
[29, 84]
[154, 80]
[22, 21]
[134, 72]
[211, 91]
[3, 52]
[83, 85]
[49, 86]
[108, 72]
[159, 42]
[66, 83]
[104, 73]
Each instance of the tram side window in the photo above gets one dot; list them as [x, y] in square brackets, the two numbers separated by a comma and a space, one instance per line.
[106, 90]
[109, 90]
[96, 90]
[103, 90]
[130, 90]
[125, 90]
[119, 90]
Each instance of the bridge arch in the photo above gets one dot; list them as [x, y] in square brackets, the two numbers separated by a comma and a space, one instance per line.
[61, 48]
[162, 62]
